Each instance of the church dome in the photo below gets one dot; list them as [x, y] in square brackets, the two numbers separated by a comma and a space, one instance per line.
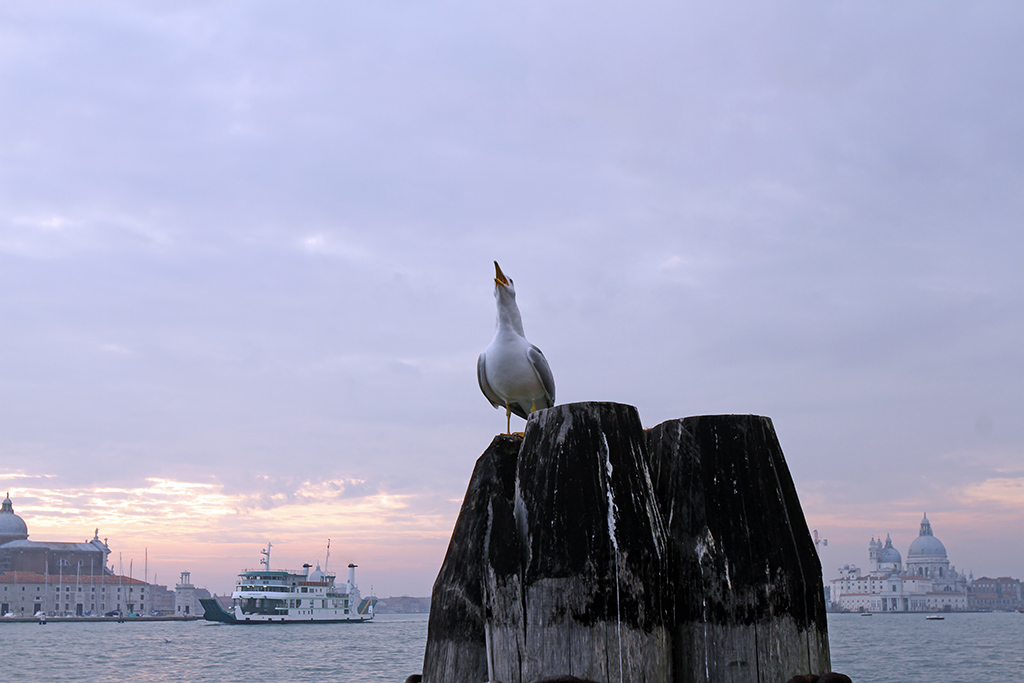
[926, 546]
[889, 554]
[12, 527]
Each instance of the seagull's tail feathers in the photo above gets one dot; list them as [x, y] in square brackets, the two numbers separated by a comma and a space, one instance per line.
[518, 409]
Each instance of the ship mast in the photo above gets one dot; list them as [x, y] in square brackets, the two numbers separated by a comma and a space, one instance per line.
[266, 556]
[328, 558]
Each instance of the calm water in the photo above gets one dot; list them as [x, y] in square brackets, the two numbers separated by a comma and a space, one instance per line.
[896, 648]
[387, 649]
[907, 648]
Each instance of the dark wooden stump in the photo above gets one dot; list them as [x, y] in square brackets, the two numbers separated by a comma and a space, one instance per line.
[749, 603]
[585, 598]
[589, 548]
[456, 648]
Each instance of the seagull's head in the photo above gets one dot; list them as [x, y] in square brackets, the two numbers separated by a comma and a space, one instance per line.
[503, 286]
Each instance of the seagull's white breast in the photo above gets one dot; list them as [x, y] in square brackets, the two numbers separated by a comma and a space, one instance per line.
[509, 370]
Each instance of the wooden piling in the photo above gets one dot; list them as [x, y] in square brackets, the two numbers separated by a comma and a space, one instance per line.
[585, 598]
[593, 549]
[748, 598]
[456, 650]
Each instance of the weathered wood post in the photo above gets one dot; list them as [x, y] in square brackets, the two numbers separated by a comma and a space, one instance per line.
[585, 598]
[748, 602]
[592, 549]
[456, 649]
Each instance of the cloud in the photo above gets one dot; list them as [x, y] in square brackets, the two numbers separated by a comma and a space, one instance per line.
[91, 230]
[116, 349]
[327, 245]
[1000, 491]
[166, 509]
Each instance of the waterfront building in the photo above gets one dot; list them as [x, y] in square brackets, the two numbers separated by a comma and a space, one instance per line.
[995, 595]
[25, 594]
[161, 600]
[185, 603]
[187, 597]
[928, 582]
[61, 578]
[17, 553]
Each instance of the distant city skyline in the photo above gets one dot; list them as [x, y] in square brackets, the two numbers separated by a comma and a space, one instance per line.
[246, 260]
[896, 539]
[220, 572]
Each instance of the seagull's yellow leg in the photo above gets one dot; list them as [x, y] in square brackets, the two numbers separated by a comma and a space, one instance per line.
[533, 409]
[508, 419]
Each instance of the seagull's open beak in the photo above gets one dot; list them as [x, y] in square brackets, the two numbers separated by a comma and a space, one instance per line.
[499, 277]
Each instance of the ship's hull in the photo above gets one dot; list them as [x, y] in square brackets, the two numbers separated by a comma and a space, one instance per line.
[214, 612]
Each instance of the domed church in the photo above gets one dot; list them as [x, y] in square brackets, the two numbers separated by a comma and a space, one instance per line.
[927, 555]
[884, 560]
[12, 527]
[927, 583]
[40, 577]
[17, 553]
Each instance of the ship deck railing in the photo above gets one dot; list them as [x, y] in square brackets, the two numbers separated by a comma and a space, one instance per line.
[282, 572]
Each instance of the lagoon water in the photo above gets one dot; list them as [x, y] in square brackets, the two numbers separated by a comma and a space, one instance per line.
[389, 648]
[907, 648]
[884, 648]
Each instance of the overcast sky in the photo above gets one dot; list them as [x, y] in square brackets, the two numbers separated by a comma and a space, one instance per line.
[246, 260]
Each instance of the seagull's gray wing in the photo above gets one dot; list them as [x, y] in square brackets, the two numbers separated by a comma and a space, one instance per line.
[481, 377]
[543, 370]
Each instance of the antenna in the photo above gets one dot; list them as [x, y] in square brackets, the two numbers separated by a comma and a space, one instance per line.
[266, 556]
[328, 558]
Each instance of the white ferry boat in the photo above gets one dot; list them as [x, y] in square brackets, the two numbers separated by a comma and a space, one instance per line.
[266, 595]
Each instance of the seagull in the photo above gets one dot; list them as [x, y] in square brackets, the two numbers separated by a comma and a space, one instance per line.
[513, 373]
